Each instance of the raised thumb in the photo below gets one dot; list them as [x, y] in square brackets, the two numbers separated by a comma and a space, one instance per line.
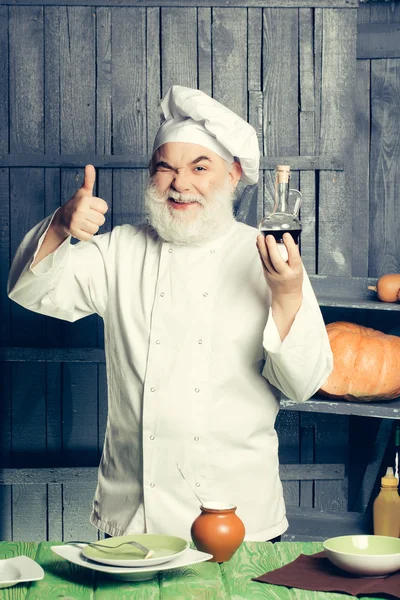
[89, 179]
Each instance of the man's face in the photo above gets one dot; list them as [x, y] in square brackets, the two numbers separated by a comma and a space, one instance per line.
[190, 193]
[189, 170]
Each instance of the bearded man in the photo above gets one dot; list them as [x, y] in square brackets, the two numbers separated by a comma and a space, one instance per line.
[201, 336]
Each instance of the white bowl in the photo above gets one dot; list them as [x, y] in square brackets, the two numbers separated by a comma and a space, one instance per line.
[19, 569]
[368, 555]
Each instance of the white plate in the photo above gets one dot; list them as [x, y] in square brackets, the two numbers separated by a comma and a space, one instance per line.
[19, 569]
[74, 555]
[164, 547]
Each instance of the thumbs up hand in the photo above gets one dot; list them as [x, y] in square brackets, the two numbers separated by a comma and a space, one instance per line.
[83, 214]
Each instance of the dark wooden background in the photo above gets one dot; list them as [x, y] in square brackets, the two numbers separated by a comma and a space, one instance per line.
[81, 82]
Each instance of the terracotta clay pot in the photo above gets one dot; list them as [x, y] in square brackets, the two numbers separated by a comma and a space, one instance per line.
[218, 530]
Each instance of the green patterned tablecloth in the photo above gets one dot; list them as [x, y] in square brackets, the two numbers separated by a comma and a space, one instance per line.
[205, 581]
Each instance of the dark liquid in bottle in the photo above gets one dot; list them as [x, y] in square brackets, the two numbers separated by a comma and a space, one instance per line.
[278, 233]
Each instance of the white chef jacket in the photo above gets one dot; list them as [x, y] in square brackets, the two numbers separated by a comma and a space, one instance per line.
[194, 364]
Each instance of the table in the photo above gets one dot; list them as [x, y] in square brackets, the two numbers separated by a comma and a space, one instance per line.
[205, 581]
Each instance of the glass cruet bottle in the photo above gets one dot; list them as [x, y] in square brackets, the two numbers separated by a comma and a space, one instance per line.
[282, 219]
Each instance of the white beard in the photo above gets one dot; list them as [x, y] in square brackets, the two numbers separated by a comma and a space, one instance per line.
[212, 219]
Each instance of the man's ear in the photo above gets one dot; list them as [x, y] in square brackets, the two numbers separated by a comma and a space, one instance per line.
[235, 173]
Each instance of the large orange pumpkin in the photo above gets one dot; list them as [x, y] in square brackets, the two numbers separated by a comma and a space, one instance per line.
[366, 364]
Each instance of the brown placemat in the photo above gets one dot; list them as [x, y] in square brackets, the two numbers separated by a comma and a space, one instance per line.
[317, 573]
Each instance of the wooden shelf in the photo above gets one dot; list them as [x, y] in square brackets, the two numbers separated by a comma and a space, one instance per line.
[125, 161]
[349, 292]
[56, 475]
[334, 291]
[52, 355]
[311, 524]
[380, 410]
[386, 410]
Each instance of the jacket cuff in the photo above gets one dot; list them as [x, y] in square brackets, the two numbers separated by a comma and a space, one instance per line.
[50, 262]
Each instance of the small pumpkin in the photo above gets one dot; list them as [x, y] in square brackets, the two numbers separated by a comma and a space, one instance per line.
[387, 287]
[366, 364]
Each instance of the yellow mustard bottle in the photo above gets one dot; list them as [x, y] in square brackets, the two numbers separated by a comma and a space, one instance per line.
[386, 511]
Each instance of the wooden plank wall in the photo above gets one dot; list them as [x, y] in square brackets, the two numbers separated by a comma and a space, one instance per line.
[376, 223]
[86, 80]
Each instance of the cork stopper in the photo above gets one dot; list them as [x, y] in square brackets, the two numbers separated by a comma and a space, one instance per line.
[389, 480]
[282, 173]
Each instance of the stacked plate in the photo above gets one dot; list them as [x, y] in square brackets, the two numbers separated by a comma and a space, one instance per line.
[127, 562]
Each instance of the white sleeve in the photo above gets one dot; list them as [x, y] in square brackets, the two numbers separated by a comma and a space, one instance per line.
[300, 364]
[70, 283]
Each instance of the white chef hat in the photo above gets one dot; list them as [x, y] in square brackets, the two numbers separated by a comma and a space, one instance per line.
[193, 117]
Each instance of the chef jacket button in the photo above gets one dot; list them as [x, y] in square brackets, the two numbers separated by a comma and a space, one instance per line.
[162, 294]
[196, 438]
[157, 341]
[170, 250]
[212, 251]
[152, 437]
[152, 389]
[197, 484]
[196, 390]
[152, 485]
[205, 294]
[200, 342]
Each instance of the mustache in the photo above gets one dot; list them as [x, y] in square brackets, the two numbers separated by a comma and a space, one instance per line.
[178, 196]
[185, 197]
